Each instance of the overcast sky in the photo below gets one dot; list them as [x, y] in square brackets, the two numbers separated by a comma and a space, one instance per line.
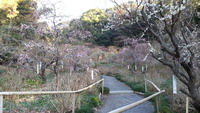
[74, 8]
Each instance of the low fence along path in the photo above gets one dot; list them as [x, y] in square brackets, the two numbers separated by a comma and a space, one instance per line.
[121, 95]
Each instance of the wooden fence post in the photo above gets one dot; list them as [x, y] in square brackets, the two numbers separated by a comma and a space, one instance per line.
[38, 68]
[187, 104]
[158, 104]
[79, 100]
[102, 87]
[1, 103]
[73, 102]
[145, 85]
[92, 74]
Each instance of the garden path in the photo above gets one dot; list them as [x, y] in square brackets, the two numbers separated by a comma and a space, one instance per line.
[121, 95]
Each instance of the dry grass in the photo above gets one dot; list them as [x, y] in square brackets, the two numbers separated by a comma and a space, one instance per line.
[63, 102]
[14, 80]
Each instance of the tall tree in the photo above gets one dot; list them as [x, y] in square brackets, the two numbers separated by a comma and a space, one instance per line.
[17, 11]
[75, 32]
[178, 34]
[15, 15]
[94, 20]
[27, 12]
[9, 7]
[39, 55]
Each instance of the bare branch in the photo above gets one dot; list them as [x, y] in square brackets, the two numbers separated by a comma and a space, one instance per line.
[182, 78]
[162, 61]
[184, 75]
[185, 92]
[189, 70]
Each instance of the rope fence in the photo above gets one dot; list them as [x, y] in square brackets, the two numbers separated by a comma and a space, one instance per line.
[2, 94]
[127, 107]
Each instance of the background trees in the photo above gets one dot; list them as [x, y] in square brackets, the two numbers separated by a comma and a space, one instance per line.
[95, 21]
[14, 14]
[38, 56]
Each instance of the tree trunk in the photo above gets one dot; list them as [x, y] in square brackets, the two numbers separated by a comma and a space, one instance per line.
[196, 105]
[195, 96]
[55, 69]
[42, 74]
[57, 79]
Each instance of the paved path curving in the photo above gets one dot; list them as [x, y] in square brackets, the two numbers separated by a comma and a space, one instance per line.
[121, 95]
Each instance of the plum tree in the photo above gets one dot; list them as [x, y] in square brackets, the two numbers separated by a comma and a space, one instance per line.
[173, 26]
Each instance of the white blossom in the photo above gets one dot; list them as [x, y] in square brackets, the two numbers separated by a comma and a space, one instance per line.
[184, 1]
[169, 16]
[174, 12]
[149, 16]
[182, 7]
[161, 19]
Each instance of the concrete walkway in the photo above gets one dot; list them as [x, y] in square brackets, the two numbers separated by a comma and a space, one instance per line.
[121, 95]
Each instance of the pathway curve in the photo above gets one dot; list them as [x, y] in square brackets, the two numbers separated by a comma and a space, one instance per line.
[121, 95]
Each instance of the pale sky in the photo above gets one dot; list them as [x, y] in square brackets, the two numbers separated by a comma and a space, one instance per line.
[74, 8]
[77, 7]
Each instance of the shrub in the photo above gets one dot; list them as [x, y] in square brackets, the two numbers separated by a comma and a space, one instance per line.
[138, 87]
[119, 77]
[149, 93]
[88, 103]
[105, 91]
[85, 110]
[94, 101]
[131, 84]
[165, 105]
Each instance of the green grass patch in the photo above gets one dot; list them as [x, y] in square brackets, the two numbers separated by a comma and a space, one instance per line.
[165, 104]
[40, 104]
[33, 83]
[4, 79]
[119, 77]
[167, 85]
[136, 86]
[51, 76]
[88, 102]
[9, 105]
[139, 87]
